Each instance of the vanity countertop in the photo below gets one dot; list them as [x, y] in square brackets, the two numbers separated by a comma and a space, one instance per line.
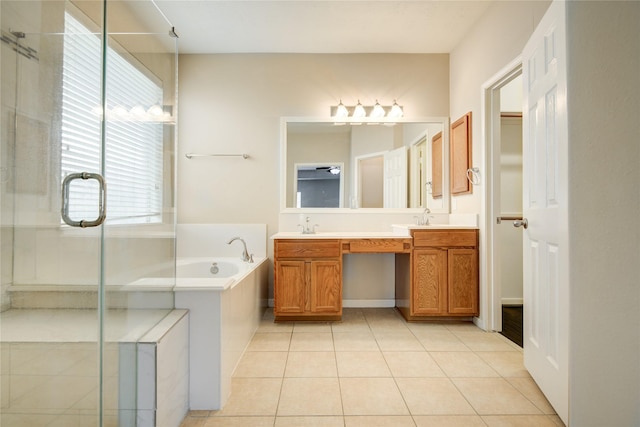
[337, 235]
[398, 232]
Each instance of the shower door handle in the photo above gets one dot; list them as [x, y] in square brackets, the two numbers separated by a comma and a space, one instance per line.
[102, 202]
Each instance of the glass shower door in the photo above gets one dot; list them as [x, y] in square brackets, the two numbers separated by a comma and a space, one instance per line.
[76, 301]
[51, 274]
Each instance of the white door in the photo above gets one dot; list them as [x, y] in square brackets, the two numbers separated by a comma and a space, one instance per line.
[395, 178]
[545, 206]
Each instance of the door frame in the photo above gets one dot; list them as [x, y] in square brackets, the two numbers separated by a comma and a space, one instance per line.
[490, 200]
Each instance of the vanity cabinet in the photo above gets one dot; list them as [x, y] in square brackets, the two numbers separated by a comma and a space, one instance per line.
[443, 280]
[307, 279]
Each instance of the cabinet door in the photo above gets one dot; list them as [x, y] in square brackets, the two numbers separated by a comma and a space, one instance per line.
[429, 285]
[326, 286]
[463, 281]
[290, 285]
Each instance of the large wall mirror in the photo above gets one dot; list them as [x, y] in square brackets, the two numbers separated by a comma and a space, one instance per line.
[331, 165]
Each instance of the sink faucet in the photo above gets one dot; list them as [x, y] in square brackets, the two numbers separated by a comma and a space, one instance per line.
[245, 255]
[307, 228]
[424, 220]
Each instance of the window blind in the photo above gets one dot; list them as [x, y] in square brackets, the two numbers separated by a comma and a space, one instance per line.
[133, 145]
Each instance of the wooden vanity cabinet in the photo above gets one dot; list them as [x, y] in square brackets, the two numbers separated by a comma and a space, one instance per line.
[307, 279]
[444, 279]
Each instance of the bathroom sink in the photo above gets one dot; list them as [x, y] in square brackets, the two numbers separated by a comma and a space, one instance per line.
[405, 229]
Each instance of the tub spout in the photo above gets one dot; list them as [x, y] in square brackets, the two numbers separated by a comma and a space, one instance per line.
[245, 255]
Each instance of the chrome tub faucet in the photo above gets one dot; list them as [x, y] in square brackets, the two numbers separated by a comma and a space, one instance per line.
[245, 255]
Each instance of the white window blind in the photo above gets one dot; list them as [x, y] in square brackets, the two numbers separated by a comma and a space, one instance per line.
[133, 143]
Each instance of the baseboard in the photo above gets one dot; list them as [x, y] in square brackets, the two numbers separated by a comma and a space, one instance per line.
[512, 301]
[368, 303]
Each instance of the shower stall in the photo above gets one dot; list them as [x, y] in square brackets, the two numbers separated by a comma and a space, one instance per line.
[87, 208]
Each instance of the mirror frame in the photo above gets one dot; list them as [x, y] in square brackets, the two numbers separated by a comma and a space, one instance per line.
[283, 163]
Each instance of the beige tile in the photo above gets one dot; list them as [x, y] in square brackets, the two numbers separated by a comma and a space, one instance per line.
[462, 327]
[433, 396]
[379, 421]
[311, 327]
[57, 392]
[389, 326]
[518, 421]
[419, 327]
[371, 396]
[351, 326]
[463, 364]
[311, 364]
[505, 363]
[313, 341]
[440, 341]
[530, 390]
[557, 421]
[252, 396]
[449, 421]
[362, 364]
[30, 420]
[401, 340]
[268, 325]
[483, 341]
[412, 364]
[193, 421]
[239, 422]
[352, 320]
[317, 421]
[355, 341]
[492, 396]
[198, 414]
[261, 364]
[272, 341]
[310, 396]
[74, 420]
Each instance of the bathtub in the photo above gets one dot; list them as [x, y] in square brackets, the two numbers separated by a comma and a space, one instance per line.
[225, 309]
[212, 272]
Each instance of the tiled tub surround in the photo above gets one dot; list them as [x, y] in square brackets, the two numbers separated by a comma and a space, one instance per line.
[50, 359]
[375, 369]
[223, 315]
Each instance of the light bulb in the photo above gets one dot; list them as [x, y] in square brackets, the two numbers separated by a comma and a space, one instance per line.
[396, 110]
[377, 111]
[341, 110]
[359, 111]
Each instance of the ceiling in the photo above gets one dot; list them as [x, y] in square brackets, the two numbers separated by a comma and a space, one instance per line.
[321, 26]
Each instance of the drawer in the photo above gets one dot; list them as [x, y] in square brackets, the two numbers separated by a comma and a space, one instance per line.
[445, 238]
[377, 245]
[306, 248]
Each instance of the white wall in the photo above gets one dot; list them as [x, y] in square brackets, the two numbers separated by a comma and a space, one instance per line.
[604, 206]
[495, 41]
[604, 201]
[233, 104]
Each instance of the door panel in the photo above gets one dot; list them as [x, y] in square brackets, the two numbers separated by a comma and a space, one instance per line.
[395, 178]
[545, 205]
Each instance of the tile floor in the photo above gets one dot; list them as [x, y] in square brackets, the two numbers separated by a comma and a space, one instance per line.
[374, 369]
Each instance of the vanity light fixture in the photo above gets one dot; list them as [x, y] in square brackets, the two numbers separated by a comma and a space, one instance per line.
[369, 114]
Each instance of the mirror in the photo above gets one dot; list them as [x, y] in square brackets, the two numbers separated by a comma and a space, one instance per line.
[331, 165]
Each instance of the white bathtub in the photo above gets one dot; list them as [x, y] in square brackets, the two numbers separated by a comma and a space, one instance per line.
[197, 273]
[225, 309]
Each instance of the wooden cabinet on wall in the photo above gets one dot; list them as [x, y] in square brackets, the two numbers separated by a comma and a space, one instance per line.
[307, 279]
[443, 279]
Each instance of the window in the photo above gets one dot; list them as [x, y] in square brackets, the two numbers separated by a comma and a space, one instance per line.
[133, 146]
